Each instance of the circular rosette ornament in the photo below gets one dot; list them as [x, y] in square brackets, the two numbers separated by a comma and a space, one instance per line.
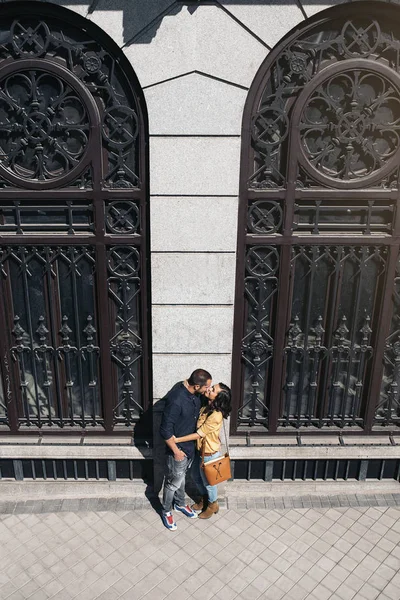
[45, 118]
[123, 261]
[262, 261]
[350, 126]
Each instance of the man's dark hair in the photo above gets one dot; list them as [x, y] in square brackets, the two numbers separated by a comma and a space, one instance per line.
[199, 377]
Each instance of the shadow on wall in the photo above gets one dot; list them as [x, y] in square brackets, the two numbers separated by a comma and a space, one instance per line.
[142, 18]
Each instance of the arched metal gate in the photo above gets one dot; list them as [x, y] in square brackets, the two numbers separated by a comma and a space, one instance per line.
[317, 307]
[73, 218]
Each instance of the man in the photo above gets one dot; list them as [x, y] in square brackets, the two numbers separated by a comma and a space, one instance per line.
[182, 407]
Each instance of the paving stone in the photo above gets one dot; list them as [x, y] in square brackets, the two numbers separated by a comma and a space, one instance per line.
[99, 549]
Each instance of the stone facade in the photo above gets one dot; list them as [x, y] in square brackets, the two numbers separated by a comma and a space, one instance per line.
[195, 62]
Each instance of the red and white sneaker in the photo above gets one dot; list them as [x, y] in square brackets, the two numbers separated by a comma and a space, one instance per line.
[169, 521]
[187, 511]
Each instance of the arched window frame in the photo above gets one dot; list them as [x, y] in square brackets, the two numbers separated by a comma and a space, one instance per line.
[120, 339]
[373, 420]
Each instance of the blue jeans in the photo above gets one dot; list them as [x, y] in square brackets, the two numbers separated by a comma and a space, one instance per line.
[200, 480]
[174, 482]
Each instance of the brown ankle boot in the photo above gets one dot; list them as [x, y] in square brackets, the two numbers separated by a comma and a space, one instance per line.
[200, 505]
[211, 510]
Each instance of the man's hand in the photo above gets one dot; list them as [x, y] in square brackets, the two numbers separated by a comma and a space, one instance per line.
[179, 455]
[177, 452]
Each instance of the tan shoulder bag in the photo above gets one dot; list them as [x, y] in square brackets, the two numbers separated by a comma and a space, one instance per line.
[218, 469]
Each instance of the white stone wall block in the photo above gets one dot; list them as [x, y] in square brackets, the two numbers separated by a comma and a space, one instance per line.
[270, 21]
[81, 9]
[170, 368]
[193, 224]
[224, 48]
[312, 7]
[194, 166]
[136, 16]
[111, 21]
[206, 39]
[194, 278]
[192, 329]
[195, 105]
[165, 49]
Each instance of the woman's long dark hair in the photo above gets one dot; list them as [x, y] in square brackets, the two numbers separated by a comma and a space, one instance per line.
[222, 402]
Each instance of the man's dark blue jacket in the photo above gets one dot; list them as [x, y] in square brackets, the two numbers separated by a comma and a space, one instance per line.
[180, 416]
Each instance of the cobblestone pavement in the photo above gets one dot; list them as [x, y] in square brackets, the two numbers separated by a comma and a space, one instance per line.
[119, 549]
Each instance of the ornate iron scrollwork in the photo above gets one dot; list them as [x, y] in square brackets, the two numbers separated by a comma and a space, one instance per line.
[265, 217]
[126, 343]
[326, 367]
[122, 217]
[44, 125]
[351, 121]
[64, 391]
[388, 409]
[60, 87]
[257, 347]
[350, 126]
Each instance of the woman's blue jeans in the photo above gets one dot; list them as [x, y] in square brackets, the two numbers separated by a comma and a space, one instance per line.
[200, 479]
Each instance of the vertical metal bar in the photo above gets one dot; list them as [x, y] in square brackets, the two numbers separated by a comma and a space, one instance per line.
[346, 473]
[283, 308]
[398, 471]
[283, 470]
[86, 470]
[65, 470]
[44, 469]
[131, 470]
[109, 395]
[304, 367]
[268, 470]
[6, 369]
[73, 259]
[33, 470]
[315, 470]
[379, 340]
[331, 312]
[248, 477]
[326, 470]
[53, 335]
[362, 473]
[54, 470]
[97, 470]
[18, 470]
[383, 462]
[353, 331]
[25, 287]
[305, 470]
[75, 470]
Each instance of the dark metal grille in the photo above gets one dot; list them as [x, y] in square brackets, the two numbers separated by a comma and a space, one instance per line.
[25, 216]
[73, 221]
[388, 409]
[328, 343]
[261, 284]
[320, 191]
[56, 360]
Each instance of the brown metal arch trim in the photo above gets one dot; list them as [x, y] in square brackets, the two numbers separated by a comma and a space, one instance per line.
[387, 12]
[114, 246]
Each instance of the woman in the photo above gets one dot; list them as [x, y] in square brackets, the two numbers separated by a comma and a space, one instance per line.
[209, 425]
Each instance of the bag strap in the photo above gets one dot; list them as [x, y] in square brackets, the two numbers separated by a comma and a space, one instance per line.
[226, 439]
[203, 443]
[203, 449]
